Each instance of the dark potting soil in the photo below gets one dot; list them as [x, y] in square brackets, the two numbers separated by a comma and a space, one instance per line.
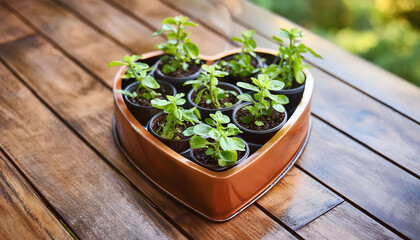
[161, 121]
[269, 121]
[202, 103]
[180, 73]
[163, 90]
[238, 78]
[200, 155]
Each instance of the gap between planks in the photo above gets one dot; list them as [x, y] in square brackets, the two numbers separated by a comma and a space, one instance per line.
[47, 204]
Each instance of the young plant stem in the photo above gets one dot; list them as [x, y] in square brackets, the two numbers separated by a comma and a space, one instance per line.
[150, 91]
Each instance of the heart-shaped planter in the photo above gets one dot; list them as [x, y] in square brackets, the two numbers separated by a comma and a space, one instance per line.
[218, 196]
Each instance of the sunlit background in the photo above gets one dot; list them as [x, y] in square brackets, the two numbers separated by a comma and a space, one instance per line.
[385, 32]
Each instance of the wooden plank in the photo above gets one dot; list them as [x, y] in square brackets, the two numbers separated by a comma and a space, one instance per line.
[11, 28]
[90, 196]
[115, 23]
[87, 106]
[374, 184]
[368, 121]
[345, 222]
[375, 81]
[153, 12]
[297, 199]
[76, 38]
[21, 206]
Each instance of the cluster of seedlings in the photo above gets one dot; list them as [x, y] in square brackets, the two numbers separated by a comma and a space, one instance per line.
[229, 108]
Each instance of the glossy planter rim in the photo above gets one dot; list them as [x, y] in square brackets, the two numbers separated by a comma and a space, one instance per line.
[307, 94]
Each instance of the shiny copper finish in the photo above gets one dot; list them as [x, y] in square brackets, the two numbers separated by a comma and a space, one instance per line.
[215, 195]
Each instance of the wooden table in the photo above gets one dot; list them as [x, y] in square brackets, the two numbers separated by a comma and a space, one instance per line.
[61, 174]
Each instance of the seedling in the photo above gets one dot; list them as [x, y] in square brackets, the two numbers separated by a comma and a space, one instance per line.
[223, 147]
[176, 116]
[206, 86]
[241, 65]
[264, 100]
[290, 66]
[179, 48]
[138, 71]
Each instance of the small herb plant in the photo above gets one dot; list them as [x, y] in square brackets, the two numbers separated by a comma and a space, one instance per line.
[290, 66]
[223, 148]
[176, 116]
[208, 82]
[241, 65]
[179, 48]
[264, 100]
[138, 71]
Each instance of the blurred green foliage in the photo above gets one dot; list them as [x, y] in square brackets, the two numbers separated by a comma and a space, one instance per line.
[385, 32]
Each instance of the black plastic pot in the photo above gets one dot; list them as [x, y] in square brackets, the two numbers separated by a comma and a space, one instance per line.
[232, 79]
[177, 82]
[176, 145]
[205, 112]
[294, 95]
[143, 113]
[219, 169]
[150, 61]
[253, 147]
[252, 136]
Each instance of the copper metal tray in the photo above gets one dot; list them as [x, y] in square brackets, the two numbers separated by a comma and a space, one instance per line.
[217, 196]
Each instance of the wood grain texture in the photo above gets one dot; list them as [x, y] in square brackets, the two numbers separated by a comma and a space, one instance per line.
[21, 207]
[345, 222]
[90, 196]
[298, 199]
[11, 28]
[115, 23]
[78, 39]
[369, 121]
[153, 12]
[87, 106]
[375, 81]
[379, 187]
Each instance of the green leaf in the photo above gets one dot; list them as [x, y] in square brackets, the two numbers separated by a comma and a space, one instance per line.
[169, 21]
[248, 33]
[150, 82]
[236, 39]
[227, 157]
[116, 63]
[227, 143]
[198, 97]
[189, 131]
[180, 102]
[214, 134]
[209, 151]
[245, 97]
[276, 85]
[248, 86]
[239, 143]
[192, 50]
[132, 95]
[246, 119]
[202, 129]
[314, 53]
[300, 76]
[168, 27]
[259, 123]
[277, 39]
[278, 107]
[192, 24]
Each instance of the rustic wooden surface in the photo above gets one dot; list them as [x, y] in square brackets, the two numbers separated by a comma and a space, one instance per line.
[61, 174]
